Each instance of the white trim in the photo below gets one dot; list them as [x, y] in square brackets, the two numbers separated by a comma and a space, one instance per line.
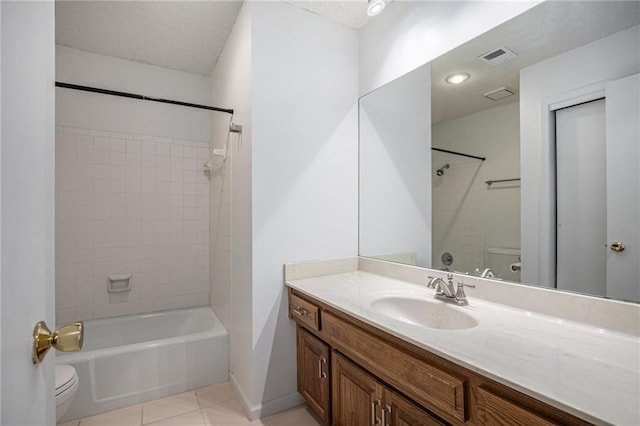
[267, 408]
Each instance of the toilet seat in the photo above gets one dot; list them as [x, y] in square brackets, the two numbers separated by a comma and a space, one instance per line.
[66, 378]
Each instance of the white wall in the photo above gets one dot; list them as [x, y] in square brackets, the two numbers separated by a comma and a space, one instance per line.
[27, 263]
[468, 215]
[613, 57]
[116, 114]
[409, 34]
[395, 159]
[129, 204]
[231, 82]
[304, 173]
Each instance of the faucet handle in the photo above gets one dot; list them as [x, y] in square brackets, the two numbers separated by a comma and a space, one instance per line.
[460, 294]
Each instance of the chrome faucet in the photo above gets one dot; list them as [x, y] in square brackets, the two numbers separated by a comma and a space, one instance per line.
[485, 273]
[445, 290]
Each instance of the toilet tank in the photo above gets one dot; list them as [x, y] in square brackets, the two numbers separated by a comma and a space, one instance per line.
[501, 259]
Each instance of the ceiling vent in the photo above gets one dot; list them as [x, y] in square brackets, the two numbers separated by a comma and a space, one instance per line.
[498, 56]
[500, 93]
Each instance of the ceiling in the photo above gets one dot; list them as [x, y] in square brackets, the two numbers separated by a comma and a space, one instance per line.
[542, 32]
[180, 35]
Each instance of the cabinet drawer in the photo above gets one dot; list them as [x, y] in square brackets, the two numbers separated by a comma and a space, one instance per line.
[431, 387]
[304, 312]
[496, 410]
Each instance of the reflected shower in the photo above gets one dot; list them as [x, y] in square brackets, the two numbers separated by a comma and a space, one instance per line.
[440, 171]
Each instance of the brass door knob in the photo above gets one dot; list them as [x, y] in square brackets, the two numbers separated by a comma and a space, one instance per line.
[67, 338]
[618, 246]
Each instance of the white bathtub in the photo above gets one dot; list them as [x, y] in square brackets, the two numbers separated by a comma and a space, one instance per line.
[136, 358]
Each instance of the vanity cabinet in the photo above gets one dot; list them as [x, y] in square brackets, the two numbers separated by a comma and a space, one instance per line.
[354, 374]
[313, 373]
[360, 399]
[496, 410]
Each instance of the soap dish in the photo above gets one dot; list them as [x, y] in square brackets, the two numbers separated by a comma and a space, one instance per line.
[119, 283]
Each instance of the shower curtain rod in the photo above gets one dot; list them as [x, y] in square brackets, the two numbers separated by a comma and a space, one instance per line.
[141, 97]
[458, 153]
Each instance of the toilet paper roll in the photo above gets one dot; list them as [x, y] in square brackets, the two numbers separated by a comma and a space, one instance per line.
[515, 267]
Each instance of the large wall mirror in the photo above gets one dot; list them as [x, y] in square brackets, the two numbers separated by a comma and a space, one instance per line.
[515, 155]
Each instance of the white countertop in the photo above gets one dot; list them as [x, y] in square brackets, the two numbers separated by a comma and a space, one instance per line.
[589, 372]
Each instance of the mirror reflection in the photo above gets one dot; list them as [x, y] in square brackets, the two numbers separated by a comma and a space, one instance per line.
[524, 164]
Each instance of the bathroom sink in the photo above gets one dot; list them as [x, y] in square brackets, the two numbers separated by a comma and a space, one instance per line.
[424, 312]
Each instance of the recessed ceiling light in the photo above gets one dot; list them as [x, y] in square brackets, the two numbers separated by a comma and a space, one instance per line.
[375, 7]
[457, 78]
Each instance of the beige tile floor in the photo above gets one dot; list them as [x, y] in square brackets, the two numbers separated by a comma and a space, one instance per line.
[215, 405]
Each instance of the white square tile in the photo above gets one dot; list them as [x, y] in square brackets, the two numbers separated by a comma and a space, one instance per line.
[101, 143]
[134, 146]
[66, 140]
[129, 416]
[66, 155]
[101, 170]
[163, 149]
[148, 160]
[118, 158]
[177, 163]
[192, 164]
[194, 418]
[118, 172]
[133, 186]
[101, 185]
[228, 413]
[118, 185]
[202, 154]
[119, 145]
[133, 159]
[148, 173]
[177, 150]
[148, 148]
[84, 156]
[163, 163]
[133, 172]
[85, 142]
[177, 175]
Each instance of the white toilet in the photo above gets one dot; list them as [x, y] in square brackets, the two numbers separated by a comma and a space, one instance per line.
[66, 387]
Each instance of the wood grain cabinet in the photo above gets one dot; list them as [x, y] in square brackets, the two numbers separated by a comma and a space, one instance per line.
[354, 374]
[359, 399]
[313, 373]
[495, 410]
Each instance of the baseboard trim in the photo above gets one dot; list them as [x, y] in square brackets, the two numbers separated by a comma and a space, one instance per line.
[267, 408]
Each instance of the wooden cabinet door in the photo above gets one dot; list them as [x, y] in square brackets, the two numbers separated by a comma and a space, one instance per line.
[313, 374]
[400, 412]
[357, 397]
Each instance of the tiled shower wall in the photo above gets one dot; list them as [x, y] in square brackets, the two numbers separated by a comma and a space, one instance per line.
[129, 204]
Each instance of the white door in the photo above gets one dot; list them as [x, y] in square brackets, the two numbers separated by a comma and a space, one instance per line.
[27, 209]
[581, 191]
[623, 187]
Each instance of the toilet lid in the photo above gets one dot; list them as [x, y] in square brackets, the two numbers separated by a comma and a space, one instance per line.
[66, 376]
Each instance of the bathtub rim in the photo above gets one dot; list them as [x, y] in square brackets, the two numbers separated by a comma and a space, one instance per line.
[217, 330]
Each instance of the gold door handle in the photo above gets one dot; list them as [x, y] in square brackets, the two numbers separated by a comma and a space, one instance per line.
[67, 338]
[618, 246]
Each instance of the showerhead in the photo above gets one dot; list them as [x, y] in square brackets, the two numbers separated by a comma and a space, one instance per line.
[440, 171]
